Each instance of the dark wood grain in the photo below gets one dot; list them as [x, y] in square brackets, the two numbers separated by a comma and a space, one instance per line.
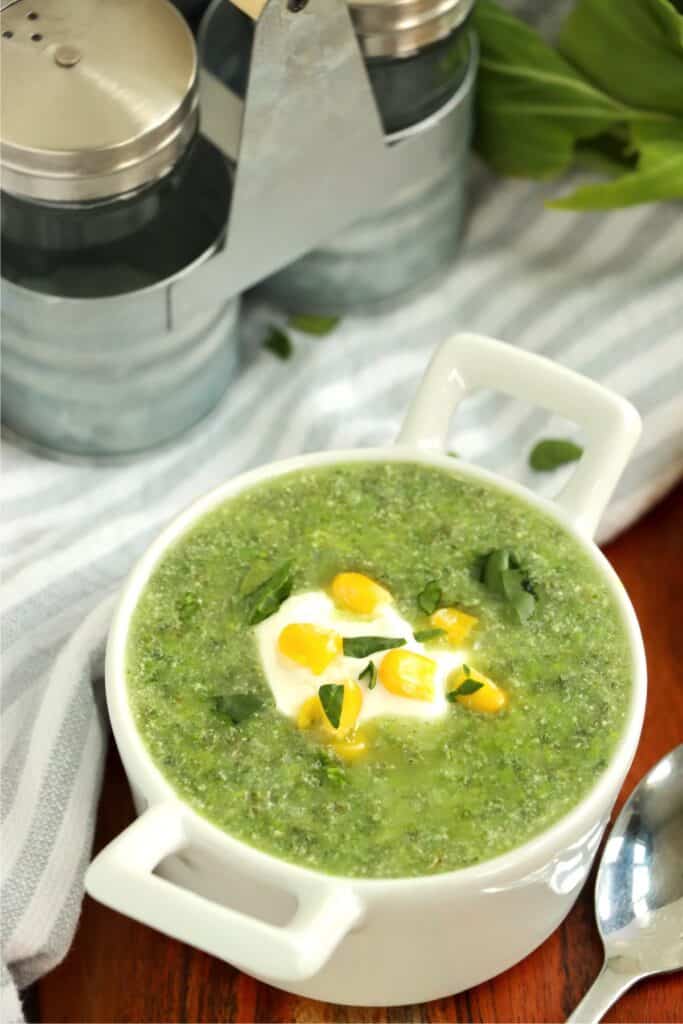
[118, 970]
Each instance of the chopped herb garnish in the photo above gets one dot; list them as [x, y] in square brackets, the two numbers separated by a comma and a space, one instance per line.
[237, 706]
[279, 343]
[453, 454]
[311, 324]
[521, 599]
[332, 700]
[553, 452]
[269, 595]
[424, 635]
[364, 646]
[467, 687]
[466, 669]
[429, 598]
[369, 673]
[502, 574]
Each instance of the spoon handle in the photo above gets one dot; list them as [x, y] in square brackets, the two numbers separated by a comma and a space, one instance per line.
[609, 985]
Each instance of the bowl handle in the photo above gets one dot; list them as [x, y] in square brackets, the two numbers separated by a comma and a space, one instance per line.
[467, 362]
[122, 877]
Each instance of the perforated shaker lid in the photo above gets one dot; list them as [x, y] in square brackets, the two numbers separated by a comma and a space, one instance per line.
[99, 97]
[399, 28]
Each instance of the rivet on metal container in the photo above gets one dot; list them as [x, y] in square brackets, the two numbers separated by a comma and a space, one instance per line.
[111, 197]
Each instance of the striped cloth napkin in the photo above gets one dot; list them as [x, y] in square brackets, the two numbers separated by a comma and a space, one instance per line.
[600, 293]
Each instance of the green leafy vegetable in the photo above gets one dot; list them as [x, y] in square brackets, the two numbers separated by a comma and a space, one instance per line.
[467, 687]
[332, 699]
[311, 324]
[610, 97]
[553, 452]
[269, 595]
[364, 646]
[532, 104]
[502, 575]
[423, 636]
[429, 598]
[279, 343]
[237, 706]
[370, 674]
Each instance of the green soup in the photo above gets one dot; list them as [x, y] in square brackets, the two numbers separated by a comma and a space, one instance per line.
[429, 796]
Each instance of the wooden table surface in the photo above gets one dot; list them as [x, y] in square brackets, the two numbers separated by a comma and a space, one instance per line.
[118, 970]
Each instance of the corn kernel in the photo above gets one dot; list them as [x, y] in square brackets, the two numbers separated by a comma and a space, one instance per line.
[352, 748]
[490, 699]
[457, 624]
[310, 645]
[358, 593]
[408, 674]
[312, 714]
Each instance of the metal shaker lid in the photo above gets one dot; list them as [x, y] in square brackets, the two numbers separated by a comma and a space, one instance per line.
[399, 28]
[99, 97]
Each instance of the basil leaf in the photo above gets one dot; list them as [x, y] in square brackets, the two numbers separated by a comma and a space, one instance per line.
[311, 324]
[467, 687]
[495, 564]
[553, 452]
[237, 706]
[517, 594]
[332, 699]
[370, 674]
[658, 173]
[424, 635]
[269, 595]
[279, 343]
[502, 575]
[533, 105]
[430, 597]
[364, 646]
[632, 49]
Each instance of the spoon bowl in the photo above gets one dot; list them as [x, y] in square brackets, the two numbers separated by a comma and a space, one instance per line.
[639, 889]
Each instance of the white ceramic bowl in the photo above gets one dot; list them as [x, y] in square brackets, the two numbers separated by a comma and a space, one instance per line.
[387, 941]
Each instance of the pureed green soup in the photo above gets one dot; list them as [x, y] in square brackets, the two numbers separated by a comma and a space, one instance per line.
[425, 796]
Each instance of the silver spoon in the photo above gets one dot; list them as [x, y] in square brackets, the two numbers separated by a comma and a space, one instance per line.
[639, 889]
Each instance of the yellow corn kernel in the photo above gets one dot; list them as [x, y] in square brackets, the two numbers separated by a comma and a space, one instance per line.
[311, 713]
[310, 645]
[408, 674]
[358, 593]
[490, 699]
[457, 624]
[353, 748]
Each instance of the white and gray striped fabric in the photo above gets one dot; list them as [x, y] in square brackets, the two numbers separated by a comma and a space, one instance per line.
[600, 293]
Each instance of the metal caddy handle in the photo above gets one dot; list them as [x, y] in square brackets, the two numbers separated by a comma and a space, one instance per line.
[308, 104]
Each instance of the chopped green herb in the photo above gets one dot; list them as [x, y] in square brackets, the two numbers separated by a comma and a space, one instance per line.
[364, 646]
[453, 454]
[269, 595]
[332, 699]
[311, 324]
[237, 706]
[466, 669]
[502, 574]
[279, 343]
[517, 594]
[370, 674]
[429, 598]
[423, 636]
[553, 452]
[467, 687]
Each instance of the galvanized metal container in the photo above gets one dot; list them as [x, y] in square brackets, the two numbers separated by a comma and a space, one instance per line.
[411, 240]
[113, 205]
